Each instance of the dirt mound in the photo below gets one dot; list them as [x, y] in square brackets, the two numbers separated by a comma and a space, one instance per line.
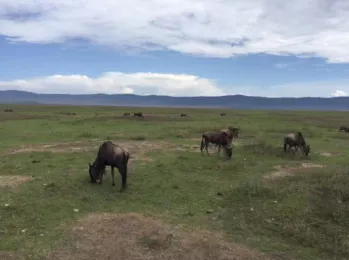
[13, 180]
[134, 237]
[288, 170]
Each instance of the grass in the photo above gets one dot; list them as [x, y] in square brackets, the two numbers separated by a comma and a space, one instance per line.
[302, 216]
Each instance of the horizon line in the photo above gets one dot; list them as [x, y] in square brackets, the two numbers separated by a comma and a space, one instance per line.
[140, 95]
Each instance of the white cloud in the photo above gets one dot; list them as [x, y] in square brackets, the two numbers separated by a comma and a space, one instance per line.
[119, 83]
[143, 83]
[201, 27]
[339, 93]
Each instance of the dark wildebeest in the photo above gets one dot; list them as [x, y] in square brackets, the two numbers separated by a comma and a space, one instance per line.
[139, 114]
[8, 110]
[183, 115]
[222, 114]
[127, 114]
[112, 155]
[296, 140]
[233, 132]
[218, 137]
[344, 128]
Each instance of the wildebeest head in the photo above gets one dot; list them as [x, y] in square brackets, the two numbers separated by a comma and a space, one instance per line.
[234, 131]
[95, 174]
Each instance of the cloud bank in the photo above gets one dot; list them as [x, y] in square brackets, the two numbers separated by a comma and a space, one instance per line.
[221, 28]
[119, 83]
[143, 83]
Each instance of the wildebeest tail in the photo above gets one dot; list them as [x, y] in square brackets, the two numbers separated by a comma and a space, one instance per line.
[126, 157]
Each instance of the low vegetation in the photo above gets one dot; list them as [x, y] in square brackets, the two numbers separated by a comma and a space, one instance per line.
[260, 204]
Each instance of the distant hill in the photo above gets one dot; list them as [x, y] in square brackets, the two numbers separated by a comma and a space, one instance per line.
[232, 101]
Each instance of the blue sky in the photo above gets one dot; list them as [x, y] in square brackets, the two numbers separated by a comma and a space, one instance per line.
[176, 47]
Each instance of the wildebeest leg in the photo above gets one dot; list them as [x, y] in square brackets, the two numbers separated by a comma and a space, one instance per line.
[123, 173]
[219, 150]
[206, 147]
[112, 175]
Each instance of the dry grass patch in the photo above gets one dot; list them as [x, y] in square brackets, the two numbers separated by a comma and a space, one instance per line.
[13, 180]
[135, 237]
[288, 170]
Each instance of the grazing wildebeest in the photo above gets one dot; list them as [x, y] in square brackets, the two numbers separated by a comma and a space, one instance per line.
[127, 114]
[112, 155]
[344, 128]
[232, 132]
[222, 114]
[218, 137]
[139, 114]
[8, 110]
[296, 140]
[183, 115]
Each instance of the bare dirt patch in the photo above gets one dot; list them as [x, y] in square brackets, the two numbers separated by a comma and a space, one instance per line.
[330, 154]
[135, 237]
[327, 154]
[13, 180]
[137, 148]
[289, 170]
[9, 256]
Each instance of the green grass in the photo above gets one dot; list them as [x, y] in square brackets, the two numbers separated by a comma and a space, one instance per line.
[305, 216]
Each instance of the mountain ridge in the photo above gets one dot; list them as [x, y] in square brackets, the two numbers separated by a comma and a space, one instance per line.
[228, 101]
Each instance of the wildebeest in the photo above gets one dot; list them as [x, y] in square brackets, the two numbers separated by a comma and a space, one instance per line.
[127, 114]
[296, 140]
[183, 115]
[222, 114]
[139, 114]
[113, 155]
[343, 128]
[220, 138]
[233, 132]
[8, 110]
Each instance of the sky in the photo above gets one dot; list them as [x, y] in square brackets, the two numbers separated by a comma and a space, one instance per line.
[268, 48]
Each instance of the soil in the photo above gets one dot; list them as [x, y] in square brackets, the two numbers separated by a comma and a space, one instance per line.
[13, 180]
[287, 170]
[135, 237]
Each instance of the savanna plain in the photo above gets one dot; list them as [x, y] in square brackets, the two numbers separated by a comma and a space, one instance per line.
[260, 204]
